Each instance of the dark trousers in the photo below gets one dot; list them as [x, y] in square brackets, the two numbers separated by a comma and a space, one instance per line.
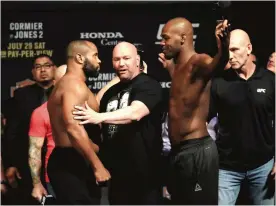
[122, 192]
[72, 179]
[193, 172]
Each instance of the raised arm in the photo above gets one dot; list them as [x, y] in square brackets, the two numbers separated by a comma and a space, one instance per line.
[209, 66]
[77, 94]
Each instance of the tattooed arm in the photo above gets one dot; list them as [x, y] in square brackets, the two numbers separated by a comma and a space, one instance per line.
[35, 147]
[35, 157]
[39, 128]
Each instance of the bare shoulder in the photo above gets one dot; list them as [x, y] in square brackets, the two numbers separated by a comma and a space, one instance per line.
[202, 65]
[201, 59]
[73, 85]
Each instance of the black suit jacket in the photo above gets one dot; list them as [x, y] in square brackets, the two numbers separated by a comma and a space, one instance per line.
[26, 100]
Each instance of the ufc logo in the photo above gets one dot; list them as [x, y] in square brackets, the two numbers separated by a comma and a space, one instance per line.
[261, 90]
[159, 32]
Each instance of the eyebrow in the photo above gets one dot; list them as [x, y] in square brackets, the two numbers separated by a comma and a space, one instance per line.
[164, 35]
[234, 47]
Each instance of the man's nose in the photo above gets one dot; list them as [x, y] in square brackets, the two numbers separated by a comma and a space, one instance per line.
[230, 55]
[121, 62]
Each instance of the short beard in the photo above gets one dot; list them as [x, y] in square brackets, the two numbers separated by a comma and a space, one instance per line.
[91, 73]
[169, 56]
[88, 71]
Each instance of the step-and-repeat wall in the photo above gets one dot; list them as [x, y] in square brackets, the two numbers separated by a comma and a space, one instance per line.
[32, 28]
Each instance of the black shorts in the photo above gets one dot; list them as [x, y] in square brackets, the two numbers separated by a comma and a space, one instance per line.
[72, 178]
[122, 192]
[193, 172]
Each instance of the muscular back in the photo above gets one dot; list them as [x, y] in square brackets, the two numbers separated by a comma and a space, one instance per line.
[189, 101]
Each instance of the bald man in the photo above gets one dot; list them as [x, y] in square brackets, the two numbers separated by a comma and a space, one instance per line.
[252, 57]
[193, 172]
[271, 62]
[40, 129]
[115, 80]
[131, 127]
[244, 98]
[74, 167]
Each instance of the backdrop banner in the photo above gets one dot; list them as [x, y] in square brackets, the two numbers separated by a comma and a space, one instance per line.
[33, 28]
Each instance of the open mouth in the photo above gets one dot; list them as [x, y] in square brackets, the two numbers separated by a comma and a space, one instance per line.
[122, 71]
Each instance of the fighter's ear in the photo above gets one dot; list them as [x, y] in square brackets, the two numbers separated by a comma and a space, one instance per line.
[183, 38]
[79, 58]
[249, 49]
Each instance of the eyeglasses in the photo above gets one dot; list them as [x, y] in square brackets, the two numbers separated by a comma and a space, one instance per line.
[39, 66]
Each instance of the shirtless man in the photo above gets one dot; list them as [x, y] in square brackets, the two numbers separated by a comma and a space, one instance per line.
[193, 172]
[74, 160]
[130, 113]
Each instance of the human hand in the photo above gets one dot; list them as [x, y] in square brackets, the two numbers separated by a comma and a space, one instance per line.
[39, 191]
[12, 173]
[222, 33]
[87, 115]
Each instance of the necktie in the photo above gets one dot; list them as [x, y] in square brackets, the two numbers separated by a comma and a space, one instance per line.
[44, 97]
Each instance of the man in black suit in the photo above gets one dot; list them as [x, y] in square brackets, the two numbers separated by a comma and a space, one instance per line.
[26, 99]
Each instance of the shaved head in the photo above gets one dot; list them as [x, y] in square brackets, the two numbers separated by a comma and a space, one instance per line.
[125, 46]
[180, 25]
[240, 48]
[177, 35]
[80, 47]
[126, 61]
[239, 36]
[85, 54]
